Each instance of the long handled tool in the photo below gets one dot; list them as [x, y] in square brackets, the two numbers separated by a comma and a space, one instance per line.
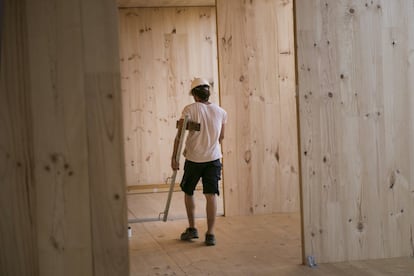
[177, 158]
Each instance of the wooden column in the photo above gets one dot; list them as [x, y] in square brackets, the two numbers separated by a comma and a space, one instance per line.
[105, 137]
[18, 254]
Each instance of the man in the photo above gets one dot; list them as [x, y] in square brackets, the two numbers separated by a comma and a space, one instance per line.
[202, 152]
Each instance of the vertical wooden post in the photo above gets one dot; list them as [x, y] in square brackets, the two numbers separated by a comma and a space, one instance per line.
[105, 150]
[18, 254]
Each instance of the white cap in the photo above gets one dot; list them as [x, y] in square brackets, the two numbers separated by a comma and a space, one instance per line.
[197, 82]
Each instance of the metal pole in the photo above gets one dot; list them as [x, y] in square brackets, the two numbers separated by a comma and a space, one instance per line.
[177, 158]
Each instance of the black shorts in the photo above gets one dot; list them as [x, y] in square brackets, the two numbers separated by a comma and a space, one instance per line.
[209, 172]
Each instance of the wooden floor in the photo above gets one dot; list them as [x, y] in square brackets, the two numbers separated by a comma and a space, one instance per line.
[254, 245]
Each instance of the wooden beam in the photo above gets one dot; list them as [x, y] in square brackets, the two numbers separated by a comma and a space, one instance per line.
[164, 3]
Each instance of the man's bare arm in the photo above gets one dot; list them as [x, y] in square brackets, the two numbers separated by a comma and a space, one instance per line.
[221, 137]
[174, 164]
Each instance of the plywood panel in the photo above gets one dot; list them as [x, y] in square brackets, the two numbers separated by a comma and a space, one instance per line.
[256, 58]
[18, 254]
[73, 197]
[105, 137]
[59, 137]
[355, 86]
[159, 58]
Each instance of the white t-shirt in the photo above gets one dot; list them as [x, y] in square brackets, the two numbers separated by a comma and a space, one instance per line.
[203, 145]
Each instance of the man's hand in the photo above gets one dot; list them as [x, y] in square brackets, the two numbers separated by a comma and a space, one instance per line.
[174, 164]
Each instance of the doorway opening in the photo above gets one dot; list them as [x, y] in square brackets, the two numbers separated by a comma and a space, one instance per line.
[162, 50]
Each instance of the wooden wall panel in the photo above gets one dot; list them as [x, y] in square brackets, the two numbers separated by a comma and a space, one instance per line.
[159, 58]
[59, 133]
[18, 253]
[105, 137]
[257, 84]
[355, 68]
[63, 200]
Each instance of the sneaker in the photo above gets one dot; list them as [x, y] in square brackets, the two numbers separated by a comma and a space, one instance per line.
[190, 233]
[210, 240]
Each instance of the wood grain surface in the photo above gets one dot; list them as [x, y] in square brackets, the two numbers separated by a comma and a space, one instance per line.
[257, 88]
[355, 92]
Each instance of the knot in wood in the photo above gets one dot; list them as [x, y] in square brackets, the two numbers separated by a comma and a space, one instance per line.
[247, 156]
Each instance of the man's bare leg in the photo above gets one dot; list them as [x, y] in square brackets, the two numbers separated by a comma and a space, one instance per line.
[190, 208]
[211, 210]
